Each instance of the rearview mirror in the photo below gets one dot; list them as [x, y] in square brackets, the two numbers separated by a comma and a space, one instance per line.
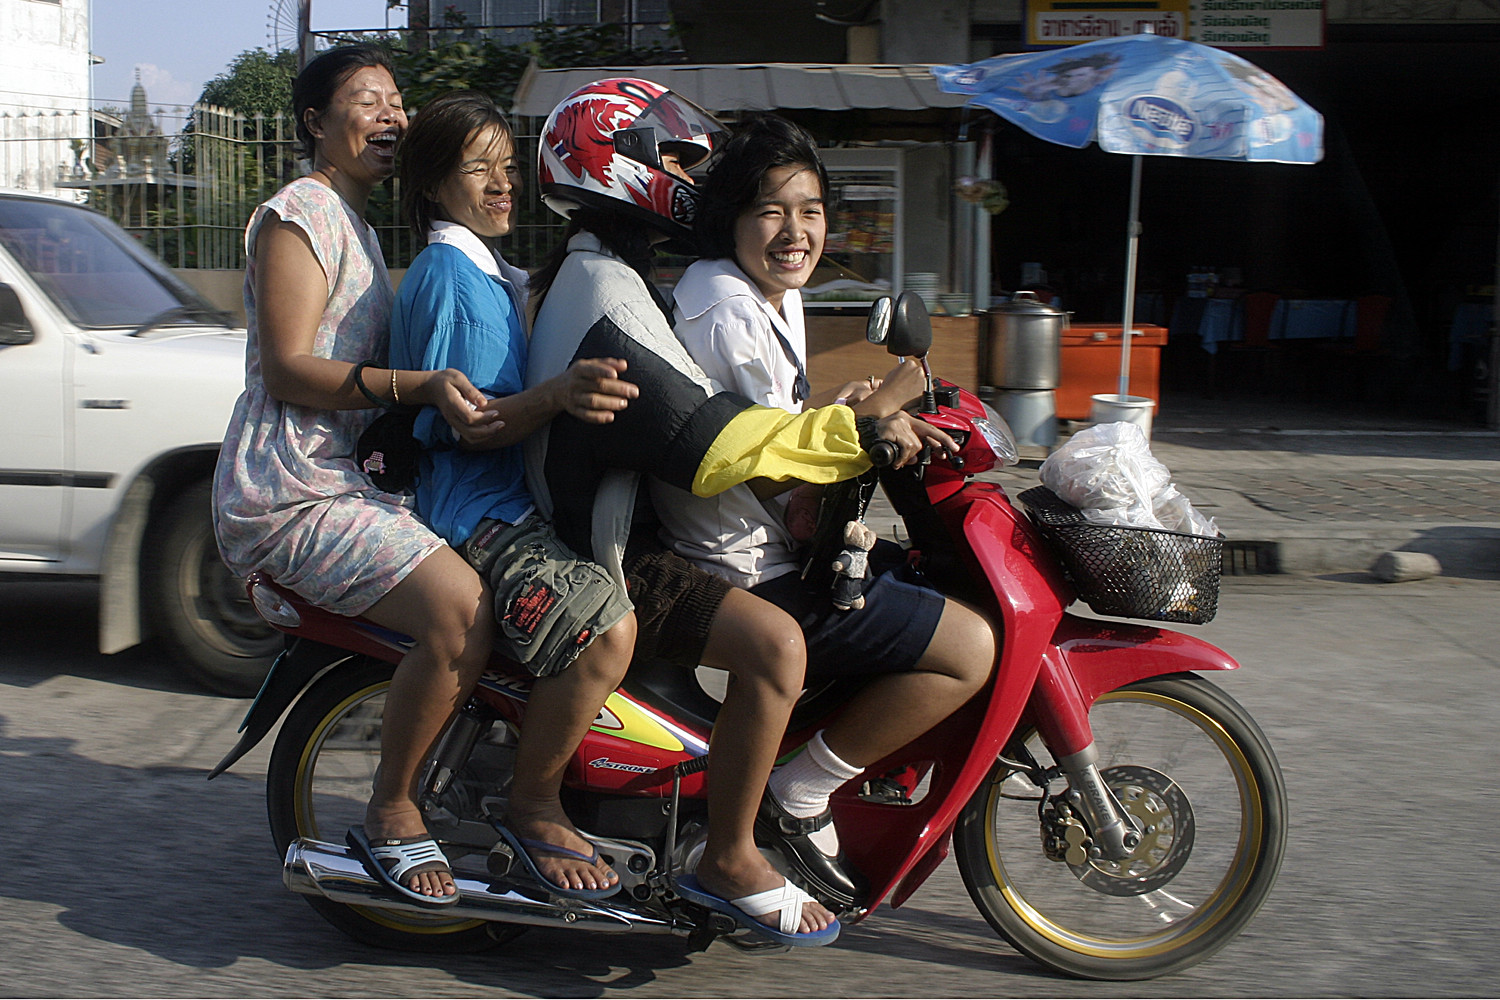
[911, 329]
[879, 323]
[15, 328]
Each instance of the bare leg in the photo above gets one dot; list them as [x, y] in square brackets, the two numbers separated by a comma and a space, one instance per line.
[444, 606]
[762, 648]
[893, 710]
[558, 714]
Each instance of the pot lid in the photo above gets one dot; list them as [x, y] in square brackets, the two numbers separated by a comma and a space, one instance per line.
[1027, 303]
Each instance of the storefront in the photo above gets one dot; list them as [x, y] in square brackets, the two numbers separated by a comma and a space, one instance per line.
[896, 221]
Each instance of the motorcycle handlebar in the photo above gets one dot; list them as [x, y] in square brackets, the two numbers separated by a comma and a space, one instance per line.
[883, 453]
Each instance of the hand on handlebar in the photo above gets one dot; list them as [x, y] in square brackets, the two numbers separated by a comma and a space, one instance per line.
[909, 436]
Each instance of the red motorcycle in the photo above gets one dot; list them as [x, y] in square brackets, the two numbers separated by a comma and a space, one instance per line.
[1114, 815]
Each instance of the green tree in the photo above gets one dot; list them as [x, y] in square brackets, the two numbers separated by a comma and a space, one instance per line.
[255, 81]
[484, 64]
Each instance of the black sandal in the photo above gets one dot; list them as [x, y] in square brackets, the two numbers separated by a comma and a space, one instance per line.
[834, 882]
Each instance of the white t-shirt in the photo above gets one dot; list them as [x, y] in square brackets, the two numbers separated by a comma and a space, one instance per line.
[728, 327]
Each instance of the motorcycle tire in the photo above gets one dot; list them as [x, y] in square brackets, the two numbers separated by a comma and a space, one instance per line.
[321, 772]
[1185, 759]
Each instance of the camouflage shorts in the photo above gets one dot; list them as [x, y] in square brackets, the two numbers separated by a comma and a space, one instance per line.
[549, 604]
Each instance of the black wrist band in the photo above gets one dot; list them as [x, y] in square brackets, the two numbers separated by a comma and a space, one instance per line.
[359, 381]
[868, 429]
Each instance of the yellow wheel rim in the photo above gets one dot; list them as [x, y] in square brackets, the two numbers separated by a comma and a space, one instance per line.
[330, 731]
[1034, 896]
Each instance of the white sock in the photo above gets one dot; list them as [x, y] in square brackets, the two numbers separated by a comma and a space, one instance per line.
[804, 785]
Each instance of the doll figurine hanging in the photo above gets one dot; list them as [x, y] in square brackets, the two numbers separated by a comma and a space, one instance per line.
[851, 565]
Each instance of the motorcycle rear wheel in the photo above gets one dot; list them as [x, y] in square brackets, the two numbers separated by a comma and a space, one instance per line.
[1181, 752]
[318, 782]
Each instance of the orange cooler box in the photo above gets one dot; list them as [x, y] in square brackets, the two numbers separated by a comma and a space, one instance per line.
[1090, 364]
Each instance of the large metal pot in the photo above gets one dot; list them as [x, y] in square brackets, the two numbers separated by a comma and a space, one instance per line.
[1025, 343]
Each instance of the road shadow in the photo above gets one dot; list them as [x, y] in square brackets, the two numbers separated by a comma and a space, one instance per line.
[158, 860]
[51, 628]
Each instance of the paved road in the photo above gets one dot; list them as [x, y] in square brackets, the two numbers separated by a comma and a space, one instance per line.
[126, 874]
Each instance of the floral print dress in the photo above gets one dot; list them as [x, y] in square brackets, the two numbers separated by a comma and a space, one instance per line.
[288, 498]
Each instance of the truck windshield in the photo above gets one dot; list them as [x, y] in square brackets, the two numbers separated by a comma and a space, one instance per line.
[93, 270]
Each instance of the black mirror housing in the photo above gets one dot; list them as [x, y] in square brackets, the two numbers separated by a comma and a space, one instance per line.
[15, 328]
[902, 325]
[911, 327]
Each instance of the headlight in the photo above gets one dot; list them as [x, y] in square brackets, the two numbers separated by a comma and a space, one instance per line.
[996, 433]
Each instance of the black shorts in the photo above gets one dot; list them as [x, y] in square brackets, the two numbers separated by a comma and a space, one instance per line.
[888, 635]
[675, 604]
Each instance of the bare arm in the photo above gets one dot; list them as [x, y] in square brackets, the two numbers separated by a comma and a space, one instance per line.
[590, 389]
[291, 293]
[900, 386]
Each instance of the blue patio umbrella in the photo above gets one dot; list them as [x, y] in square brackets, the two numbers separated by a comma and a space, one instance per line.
[1144, 95]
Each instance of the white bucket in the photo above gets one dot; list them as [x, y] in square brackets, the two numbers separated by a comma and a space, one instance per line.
[1108, 407]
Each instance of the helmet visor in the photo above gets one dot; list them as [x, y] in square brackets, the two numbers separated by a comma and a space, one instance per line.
[671, 124]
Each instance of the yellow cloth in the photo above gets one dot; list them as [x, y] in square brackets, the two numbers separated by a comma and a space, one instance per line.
[763, 442]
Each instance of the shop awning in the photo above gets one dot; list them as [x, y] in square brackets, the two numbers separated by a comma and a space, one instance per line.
[730, 87]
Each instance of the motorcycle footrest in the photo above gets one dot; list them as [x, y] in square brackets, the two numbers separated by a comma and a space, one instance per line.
[501, 860]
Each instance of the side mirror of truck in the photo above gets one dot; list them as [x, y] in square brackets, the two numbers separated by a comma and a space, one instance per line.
[15, 328]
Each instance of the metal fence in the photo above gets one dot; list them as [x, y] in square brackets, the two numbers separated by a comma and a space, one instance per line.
[188, 185]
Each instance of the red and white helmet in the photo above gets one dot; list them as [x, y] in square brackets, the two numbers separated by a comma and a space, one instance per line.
[602, 147]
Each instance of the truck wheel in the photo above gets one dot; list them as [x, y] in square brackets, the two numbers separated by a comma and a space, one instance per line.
[200, 608]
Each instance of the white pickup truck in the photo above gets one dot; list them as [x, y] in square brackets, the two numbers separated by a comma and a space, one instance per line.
[116, 384]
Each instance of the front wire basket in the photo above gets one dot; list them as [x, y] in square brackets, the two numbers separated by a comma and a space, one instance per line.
[1130, 572]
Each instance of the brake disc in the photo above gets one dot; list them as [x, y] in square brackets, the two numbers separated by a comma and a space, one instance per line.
[1164, 817]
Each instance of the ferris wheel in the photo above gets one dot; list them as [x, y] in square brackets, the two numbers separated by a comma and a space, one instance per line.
[283, 29]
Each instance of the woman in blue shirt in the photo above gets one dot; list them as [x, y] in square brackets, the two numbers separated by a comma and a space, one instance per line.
[460, 306]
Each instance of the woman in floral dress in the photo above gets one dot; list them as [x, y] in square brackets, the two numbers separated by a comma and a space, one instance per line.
[290, 500]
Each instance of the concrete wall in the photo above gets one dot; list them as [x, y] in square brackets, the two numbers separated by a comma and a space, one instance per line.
[46, 62]
[44, 68]
[933, 31]
[928, 198]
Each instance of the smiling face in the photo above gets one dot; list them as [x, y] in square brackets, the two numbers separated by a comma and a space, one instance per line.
[357, 133]
[779, 238]
[477, 194]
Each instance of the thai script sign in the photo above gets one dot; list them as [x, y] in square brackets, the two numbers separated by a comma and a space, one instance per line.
[1227, 24]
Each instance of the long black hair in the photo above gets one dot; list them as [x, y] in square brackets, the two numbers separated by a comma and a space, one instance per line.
[759, 144]
[314, 87]
[434, 146]
[626, 238]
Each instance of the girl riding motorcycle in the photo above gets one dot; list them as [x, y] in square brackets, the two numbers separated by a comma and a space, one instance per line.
[613, 159]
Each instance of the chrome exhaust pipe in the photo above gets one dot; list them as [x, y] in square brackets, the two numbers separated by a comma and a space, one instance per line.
[316, 868]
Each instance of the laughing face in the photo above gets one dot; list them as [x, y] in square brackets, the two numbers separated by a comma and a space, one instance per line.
[779, 239]
[358, 132]
[478, 193]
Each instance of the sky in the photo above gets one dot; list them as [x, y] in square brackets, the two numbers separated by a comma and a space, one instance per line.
[179, 45]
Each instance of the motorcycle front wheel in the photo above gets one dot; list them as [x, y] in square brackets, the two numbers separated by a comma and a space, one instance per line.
[321, 773]
[1191, 766]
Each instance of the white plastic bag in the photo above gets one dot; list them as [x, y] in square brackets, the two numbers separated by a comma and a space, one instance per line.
[1108, 472]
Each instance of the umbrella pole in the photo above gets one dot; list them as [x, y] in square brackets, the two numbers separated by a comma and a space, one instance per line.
[1132, 242]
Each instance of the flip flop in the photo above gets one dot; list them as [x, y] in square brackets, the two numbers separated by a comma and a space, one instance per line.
[411, 856]
[785, 900]
[523, 848]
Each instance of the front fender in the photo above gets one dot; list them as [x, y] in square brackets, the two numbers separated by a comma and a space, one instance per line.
[1104, 655]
